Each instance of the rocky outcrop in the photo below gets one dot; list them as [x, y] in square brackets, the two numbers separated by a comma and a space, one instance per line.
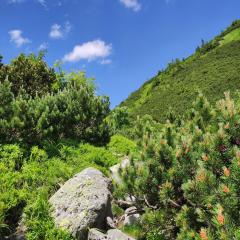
[83, 202]
[113, 234]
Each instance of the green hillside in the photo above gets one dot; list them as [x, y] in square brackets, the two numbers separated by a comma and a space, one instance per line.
[213, 69]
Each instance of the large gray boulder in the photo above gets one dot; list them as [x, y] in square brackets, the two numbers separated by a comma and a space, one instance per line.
[83, 202]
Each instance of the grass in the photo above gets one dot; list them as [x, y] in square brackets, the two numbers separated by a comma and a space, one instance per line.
[232, 36]
[133, 230]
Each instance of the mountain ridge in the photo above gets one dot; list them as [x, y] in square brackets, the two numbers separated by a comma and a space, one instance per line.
[213, 69]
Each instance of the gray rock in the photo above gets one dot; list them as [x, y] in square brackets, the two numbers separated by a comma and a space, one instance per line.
[131, 219]
[131, 210]
[95, 234]
[83, 202]
[114, 170]
[115, 234]
[110, 222]
[131, 216]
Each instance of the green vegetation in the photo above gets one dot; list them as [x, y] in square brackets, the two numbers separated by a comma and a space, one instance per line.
[30, 73]
[28, 181]
[118, 120]
[184, 173]
[74, 112]
[132, 230]
[213, 69]
[232, 36]
[120, 145]
[47, 121]
[185, 177]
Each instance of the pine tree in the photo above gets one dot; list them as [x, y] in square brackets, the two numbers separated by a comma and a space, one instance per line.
[186, 176]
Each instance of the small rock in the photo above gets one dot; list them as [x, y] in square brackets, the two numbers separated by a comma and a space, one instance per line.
[110, 222]
[131, 216]
[95, 234]
[116, 168]
[131, 210]
[115, 234]
[131, 219]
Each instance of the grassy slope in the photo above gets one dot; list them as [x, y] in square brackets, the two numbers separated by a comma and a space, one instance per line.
[213, 69]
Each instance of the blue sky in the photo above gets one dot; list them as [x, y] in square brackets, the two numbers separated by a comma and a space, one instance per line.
[122, 43]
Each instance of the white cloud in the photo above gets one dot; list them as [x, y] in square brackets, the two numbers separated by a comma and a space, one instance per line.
[43, 46]
[58, 32]
[17, 38]
[106, 61]
[89, 51]
[133, 4]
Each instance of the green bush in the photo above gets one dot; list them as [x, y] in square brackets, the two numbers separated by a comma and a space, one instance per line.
[120, 145]
[186, 176]
[30, 73]
[11, 196]
[44, 116]
[118, 120]
[38, 155]
[99, 156]
[74, 112]
[11, 156]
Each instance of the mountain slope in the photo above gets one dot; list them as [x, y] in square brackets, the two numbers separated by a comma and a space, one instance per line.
[213, 69]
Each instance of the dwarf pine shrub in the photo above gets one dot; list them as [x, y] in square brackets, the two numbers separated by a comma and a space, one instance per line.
[75, 112]
[186, 175]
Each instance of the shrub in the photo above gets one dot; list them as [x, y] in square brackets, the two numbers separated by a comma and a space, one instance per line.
[37, 176]
[11, 160]
[43, 117]
[99, 156]
[120, 145]
[118, 119]
[186, 176]
[30, 73]
[38, 155]
[74, 112]
[11, 156]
